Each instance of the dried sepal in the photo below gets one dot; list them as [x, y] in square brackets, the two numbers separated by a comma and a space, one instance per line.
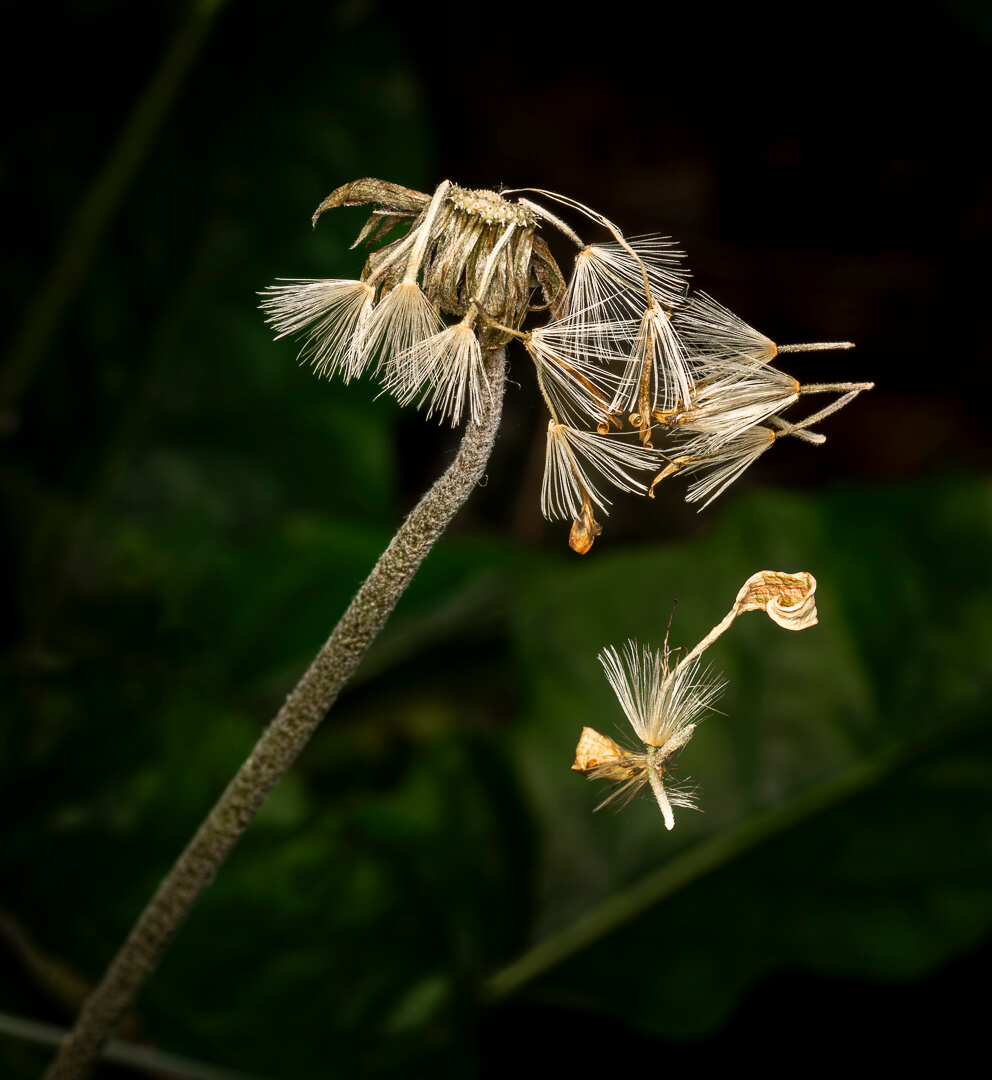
[378, 226]
[392, 197]
[505, 286]
[446, 260]
[386, 266]
[546, 273]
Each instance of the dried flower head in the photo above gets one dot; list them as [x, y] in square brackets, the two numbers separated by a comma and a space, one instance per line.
[453, 276]
[664, 703]
[463, 254]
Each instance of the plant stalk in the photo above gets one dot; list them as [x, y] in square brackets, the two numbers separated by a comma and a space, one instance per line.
[280, 744]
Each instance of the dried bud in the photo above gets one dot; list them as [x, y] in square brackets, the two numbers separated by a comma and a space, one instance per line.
[585, 529]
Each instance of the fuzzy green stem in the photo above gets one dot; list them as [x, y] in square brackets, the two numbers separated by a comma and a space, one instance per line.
[281, 743]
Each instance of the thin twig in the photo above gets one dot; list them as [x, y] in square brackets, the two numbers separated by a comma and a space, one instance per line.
[280, 744]
[145, 1058]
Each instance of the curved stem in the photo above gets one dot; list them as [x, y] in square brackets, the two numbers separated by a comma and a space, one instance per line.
[721, 628]
[281, 743]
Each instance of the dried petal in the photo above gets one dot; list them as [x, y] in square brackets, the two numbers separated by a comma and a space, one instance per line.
[596, 751]
[788, 599]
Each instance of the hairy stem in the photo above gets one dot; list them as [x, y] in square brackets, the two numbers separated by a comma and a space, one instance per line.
[280, 744]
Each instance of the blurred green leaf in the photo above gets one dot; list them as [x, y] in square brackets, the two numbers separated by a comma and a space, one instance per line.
[884, 886]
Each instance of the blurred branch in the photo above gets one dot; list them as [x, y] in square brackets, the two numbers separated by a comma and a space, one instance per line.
[100, 202]
[281, 743]
[50, 973]
[122, 1053]
[64, 527]
[705, 857]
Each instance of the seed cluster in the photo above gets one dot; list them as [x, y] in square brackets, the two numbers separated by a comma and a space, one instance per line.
[624, 356]
[491, 207]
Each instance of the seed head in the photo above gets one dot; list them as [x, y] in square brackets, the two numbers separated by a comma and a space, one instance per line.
[451, 277]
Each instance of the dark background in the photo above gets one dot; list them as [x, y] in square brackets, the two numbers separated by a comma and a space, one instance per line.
[187, 511]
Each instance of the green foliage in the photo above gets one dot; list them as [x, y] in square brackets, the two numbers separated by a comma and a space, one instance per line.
[434, 827]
